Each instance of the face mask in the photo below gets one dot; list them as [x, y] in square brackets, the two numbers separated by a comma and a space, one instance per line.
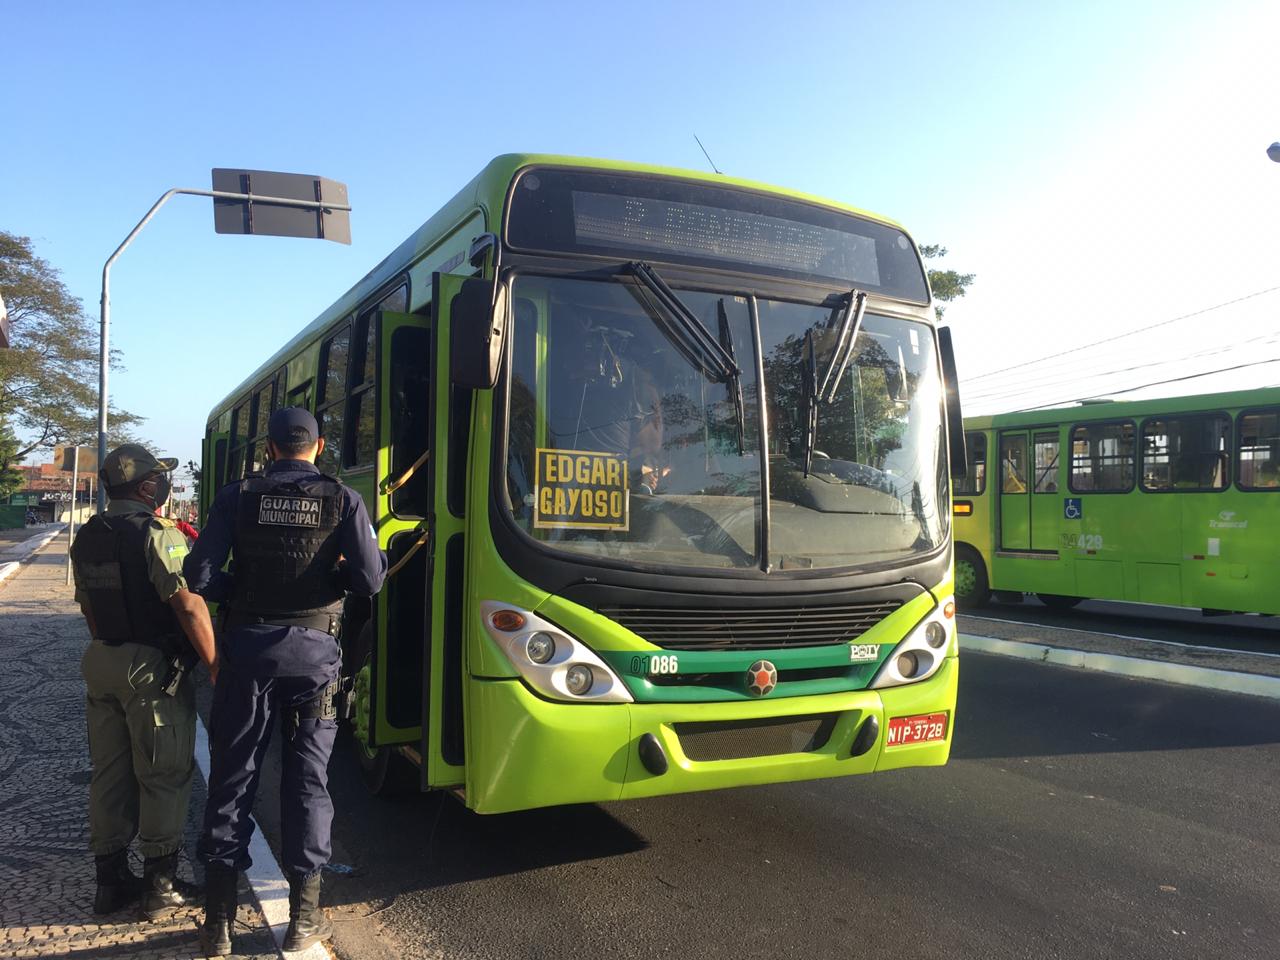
[162, 488]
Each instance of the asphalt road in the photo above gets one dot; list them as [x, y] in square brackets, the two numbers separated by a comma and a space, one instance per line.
[1082, 815]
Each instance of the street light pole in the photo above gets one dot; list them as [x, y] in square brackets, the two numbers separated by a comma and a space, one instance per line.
[105, 327]
[71, 518]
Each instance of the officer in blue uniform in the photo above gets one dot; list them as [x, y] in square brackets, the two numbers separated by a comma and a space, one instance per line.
[299, 541]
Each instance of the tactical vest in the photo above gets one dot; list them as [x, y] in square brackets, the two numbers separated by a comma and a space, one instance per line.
[110, 557]
[286, 551]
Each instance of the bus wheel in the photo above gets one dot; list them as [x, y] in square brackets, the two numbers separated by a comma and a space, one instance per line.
[972, 588]
[1056, 601]
[384, 771]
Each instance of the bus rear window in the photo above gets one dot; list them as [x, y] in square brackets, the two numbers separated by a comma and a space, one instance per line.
[633, 217]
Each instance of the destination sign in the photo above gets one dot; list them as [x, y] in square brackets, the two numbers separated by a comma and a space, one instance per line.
[580, 489]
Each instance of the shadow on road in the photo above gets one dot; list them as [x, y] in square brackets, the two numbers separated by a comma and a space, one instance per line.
[425, 841]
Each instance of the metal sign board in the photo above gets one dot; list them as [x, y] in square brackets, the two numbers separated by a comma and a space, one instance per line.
[263, 217]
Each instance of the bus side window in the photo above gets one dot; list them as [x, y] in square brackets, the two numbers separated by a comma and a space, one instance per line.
[1258, 465]
[409, 403]
[300, 396]
[362, 407]
[974, 483]
[239, 433]
[330, 405]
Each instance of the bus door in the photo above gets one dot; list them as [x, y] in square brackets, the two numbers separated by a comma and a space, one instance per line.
[1030, 477]
[1015, 502]
[1046, 481]
[402, 611]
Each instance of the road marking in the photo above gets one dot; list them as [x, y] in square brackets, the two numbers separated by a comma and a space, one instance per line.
[1228, 681]
[1124, 636]
[265, 877]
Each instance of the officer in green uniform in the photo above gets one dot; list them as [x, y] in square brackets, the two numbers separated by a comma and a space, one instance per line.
[140, 702]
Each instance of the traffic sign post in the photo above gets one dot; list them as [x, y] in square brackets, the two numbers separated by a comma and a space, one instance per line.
[303, 206]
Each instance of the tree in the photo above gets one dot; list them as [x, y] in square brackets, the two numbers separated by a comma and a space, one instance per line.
[194, 469]
[947, 285]
[11, 478]
[49, 376]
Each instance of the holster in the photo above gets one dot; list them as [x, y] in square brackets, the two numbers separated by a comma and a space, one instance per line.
[334, 702]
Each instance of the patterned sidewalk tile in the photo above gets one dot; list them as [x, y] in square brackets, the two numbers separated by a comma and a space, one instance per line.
[46, 870]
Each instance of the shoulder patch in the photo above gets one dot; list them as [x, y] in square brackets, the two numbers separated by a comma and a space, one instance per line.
[163, 523]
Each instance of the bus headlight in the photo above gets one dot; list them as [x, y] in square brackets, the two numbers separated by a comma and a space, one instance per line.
[922, 652]
[551, 661]
[578, 679]
[541, 647]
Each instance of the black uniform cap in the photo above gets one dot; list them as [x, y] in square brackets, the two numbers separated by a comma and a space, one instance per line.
[293, 425]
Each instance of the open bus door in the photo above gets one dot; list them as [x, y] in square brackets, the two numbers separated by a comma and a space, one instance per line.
[389, 657]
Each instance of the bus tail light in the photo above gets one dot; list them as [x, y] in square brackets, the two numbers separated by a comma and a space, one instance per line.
[551, 661]
[922, 652]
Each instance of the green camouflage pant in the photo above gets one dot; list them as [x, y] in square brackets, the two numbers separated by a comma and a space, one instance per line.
[142, 746]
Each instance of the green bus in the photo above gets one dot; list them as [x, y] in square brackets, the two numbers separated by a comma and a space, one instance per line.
[1173, 502]
[661, 463]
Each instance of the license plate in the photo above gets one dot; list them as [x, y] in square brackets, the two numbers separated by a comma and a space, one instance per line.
[918, 729]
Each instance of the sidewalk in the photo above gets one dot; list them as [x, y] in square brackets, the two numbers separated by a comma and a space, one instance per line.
[46, 870]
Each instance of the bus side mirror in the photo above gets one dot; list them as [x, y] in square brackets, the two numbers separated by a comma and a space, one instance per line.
[477, 331]
[955, 419]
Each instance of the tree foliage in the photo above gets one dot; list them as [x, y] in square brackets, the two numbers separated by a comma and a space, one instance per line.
[947, 285]
[49, 375]
[10, 477]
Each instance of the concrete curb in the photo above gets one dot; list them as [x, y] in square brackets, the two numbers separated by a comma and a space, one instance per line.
[20, 553]
[1227, 681]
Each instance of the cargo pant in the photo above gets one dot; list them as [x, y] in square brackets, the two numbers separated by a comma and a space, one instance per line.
[142, 747]
[245, 709]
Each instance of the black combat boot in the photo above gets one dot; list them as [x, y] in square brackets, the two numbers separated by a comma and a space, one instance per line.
[307, 922]
[219, 910]
[163, 892]
[117, 885]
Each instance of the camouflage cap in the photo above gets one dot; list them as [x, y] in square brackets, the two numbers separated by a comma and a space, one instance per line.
[131, 461]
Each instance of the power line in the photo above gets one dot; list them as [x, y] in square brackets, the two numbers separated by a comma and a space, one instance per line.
[1156, 383]
[1017, 386]
[1121, 336]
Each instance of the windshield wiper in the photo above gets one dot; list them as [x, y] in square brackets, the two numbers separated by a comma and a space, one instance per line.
[686, 333]
[735, 382]
[850, 324]
[825, 389]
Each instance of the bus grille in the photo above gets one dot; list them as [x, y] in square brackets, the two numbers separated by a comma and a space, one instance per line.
[744, 629]
[741, 739]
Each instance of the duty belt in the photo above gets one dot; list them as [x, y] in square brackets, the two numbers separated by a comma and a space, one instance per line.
[330, 623]
[163, 643]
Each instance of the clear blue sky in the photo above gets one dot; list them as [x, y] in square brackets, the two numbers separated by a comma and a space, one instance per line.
[1099, 166]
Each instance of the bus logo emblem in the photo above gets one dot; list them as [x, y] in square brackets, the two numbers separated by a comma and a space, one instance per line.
[762, 677]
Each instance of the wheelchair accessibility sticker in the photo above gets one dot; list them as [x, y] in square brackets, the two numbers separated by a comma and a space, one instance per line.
[1071, 509]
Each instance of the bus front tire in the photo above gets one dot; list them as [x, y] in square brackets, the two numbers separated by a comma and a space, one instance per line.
[1057, 601]
[384, 771]
[973, 589]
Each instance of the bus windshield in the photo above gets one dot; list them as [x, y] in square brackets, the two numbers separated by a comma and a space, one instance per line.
[621, 447]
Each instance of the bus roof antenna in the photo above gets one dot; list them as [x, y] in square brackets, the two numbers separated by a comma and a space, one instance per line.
[708, 156]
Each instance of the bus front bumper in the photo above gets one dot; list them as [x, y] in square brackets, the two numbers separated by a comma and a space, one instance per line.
[529, 752]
